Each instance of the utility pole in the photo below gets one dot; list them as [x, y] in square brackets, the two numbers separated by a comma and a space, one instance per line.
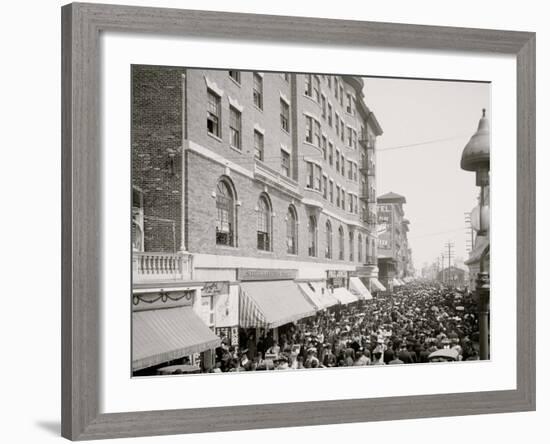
[450, 254]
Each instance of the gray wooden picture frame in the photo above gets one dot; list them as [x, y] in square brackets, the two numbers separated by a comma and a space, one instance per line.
[81, 174]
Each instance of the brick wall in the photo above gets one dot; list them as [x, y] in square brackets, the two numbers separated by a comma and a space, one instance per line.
[156, 152]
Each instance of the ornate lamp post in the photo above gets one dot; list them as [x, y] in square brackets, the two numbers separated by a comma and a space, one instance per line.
[475, 157]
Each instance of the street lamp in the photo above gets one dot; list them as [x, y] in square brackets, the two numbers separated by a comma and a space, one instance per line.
[475, 157]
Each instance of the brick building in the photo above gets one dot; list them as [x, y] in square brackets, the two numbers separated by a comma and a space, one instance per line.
[249, 186]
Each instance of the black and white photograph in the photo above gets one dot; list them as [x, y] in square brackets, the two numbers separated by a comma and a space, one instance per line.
[289, 221]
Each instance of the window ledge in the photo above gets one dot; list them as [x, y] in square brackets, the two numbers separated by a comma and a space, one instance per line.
[219, 139]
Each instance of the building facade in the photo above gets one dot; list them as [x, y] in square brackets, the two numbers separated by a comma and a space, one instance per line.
[245, 182]
[394, 254]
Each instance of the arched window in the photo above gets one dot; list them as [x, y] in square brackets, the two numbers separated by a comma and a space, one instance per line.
[264, 223]
[351, 246]
[225, 216]
[328, 234]
[341, 243]
[312, 236]
[291, 231]
[360, 248]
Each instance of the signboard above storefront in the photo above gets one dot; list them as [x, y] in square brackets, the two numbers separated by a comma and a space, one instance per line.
[215, 288]
[337, 274]
[265, 274]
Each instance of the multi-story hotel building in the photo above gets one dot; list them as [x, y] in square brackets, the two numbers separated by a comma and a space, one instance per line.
[394, 254]
[254, 198]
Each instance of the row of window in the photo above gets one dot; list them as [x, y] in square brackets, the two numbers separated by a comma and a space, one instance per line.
[312, 88]
[214, 118]
[319, 182]
[226, 227]
[333, 156]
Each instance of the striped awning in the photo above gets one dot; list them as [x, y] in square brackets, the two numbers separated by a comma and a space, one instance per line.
[166, 334]
[358, 288]
[377, 285]
[344, 296]
[318, 294]
[269, 304]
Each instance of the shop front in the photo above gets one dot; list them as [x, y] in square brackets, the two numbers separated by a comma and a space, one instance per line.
[338, 284]
[167, 330]
[269, 300]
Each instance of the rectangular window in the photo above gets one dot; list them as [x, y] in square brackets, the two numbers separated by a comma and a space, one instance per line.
[329, 114]
[285, 116]
[350, 199]
[343, 166]
[354, 139]
[318, 134]
[330, 153]
[355, 172]
[213, 114]
[336, 88]
[257, 90]
[350, 137]
[356, 205]
[342, 132]
[235, 75]
[318, 176]
[309, 129]
[331, 191]
[349, 104]
[337, 195]
[337, 123]
[308, 89]
[325, 186]
[324, 148]
[337, 160]
[350, 170]
[258, 145]
[343, 200]
[341, 95]
[329, 82]
[285, 163]
[316, 89]
[309, 183]
[324, 107]
[235, 127]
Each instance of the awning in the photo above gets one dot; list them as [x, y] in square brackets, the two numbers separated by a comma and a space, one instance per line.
[377, 285]
[358, 288]
[270, 304]
[166, 334]
[344, 296]
[396, 282]
[318, 294]
[401, 282]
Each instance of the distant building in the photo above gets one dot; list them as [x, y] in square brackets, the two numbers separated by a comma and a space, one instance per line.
[454, 276]
[394, 254]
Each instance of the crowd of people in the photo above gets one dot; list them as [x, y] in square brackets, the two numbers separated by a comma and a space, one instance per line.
[404, 327]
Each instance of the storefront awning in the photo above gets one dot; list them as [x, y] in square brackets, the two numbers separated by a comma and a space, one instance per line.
[163, 335]
[270, 304]
[396, 282]
[358, 288]
[376, 285]
[318, 294]
[344, 296]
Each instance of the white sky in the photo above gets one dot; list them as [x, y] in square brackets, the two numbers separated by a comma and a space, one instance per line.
[437, 190]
